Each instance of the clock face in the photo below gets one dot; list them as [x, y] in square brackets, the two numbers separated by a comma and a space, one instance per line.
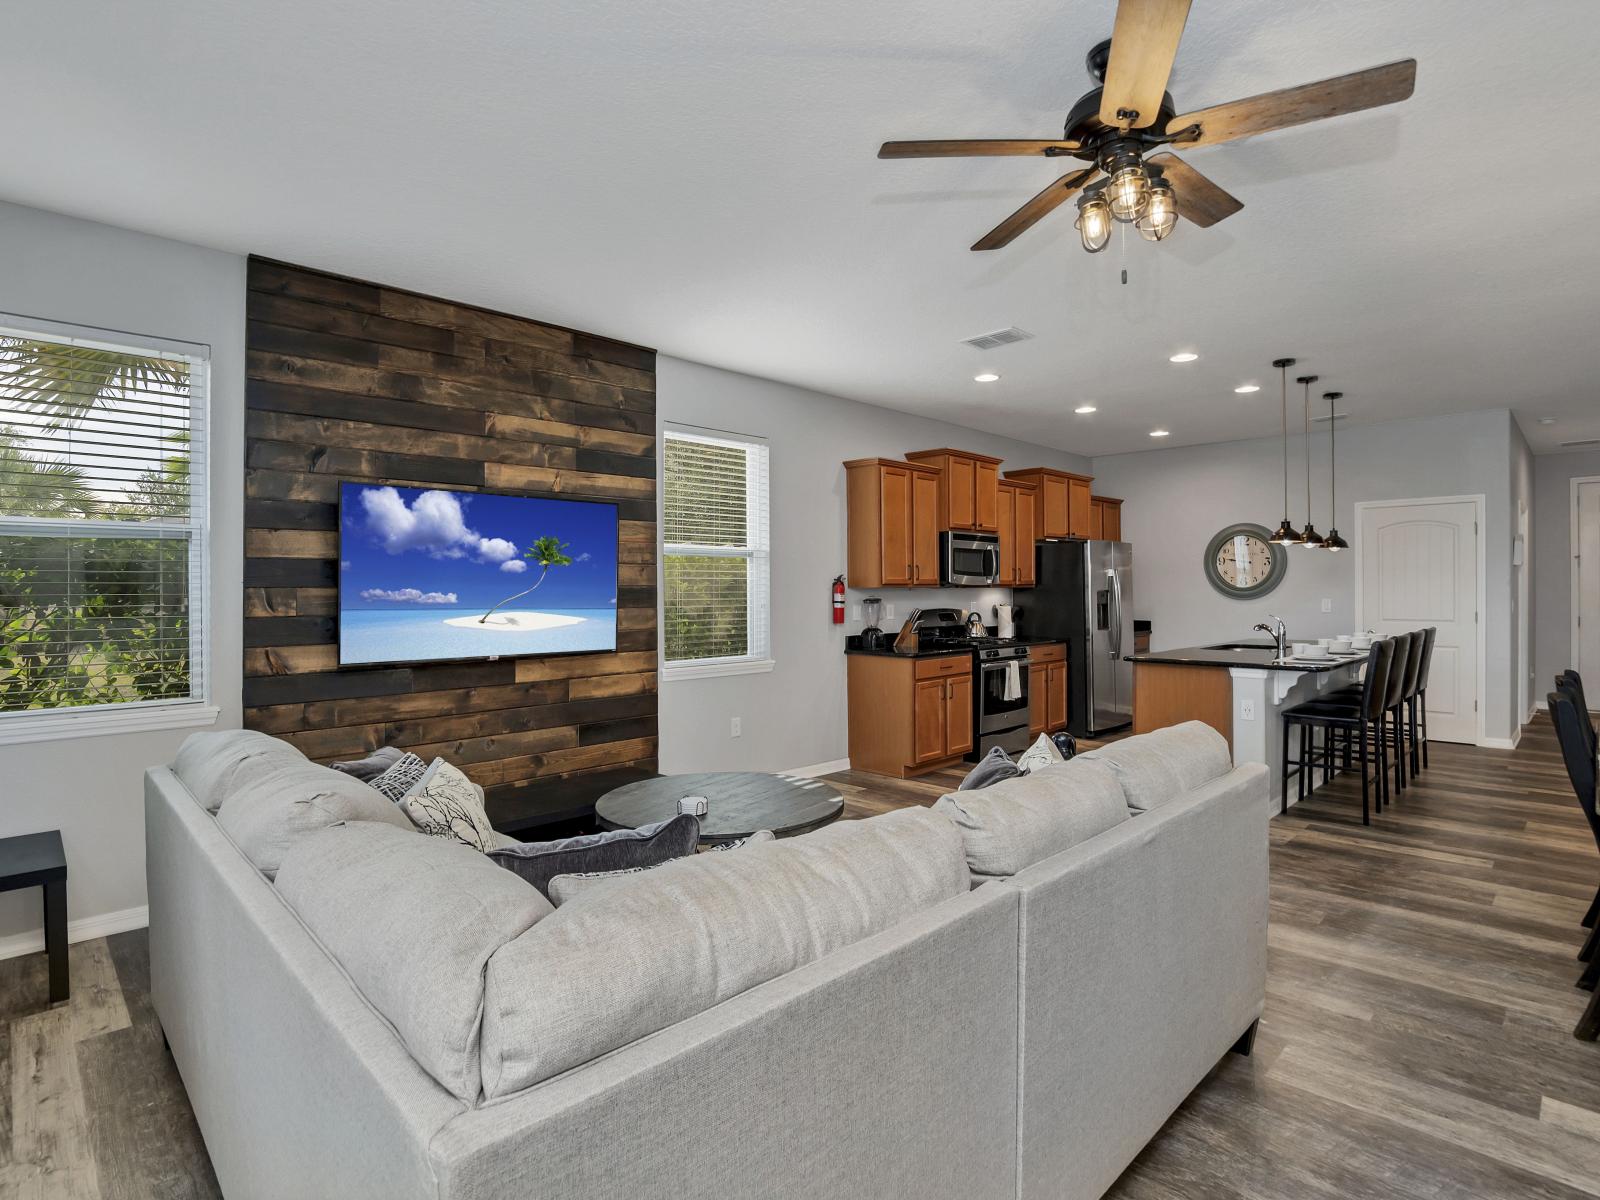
[1241, 562]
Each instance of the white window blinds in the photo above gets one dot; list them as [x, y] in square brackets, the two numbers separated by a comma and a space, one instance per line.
[102, 523]
[715, 597]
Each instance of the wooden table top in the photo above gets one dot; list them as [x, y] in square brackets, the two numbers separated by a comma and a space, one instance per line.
[739, 803]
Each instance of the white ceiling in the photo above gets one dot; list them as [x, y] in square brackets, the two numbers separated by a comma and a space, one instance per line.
[699, 175]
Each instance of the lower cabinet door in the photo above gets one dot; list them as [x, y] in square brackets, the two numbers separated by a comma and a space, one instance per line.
[958, 714]
[1038, 698]
[930, 719]
[1056, 695]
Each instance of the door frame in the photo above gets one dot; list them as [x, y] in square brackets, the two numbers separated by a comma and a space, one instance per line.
[1575, 584]
[1479, 504]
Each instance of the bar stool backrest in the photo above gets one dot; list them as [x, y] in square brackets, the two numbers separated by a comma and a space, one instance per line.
[1429, 634]
[1397, 670]
[1375, 687]
[1571, 683]
[1575, 750]
[1415, 639]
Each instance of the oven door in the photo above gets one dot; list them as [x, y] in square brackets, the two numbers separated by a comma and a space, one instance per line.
[1002, 704]
[970, 560]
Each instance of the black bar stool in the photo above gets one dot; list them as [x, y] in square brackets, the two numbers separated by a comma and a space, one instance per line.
[1405, 709]
[1575, 733]
[1419, 703]
[1363, 719]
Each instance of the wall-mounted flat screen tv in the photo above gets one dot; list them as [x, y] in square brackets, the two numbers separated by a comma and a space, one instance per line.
[427, 575]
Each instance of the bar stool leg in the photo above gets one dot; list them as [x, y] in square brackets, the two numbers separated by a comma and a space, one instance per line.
[1589, 947]
[1416, 751]
[1366, 804]
[1382, 786]
[1593, 914]
[1422, 700]
[1589, 1024]
[1288, 732]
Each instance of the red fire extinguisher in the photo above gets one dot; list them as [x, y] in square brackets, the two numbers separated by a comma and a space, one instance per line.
[838, 599]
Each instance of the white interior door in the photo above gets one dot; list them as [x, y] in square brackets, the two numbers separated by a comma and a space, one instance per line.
[1587, 566]
[1419, 567]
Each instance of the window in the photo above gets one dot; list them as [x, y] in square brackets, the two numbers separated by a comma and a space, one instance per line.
[715, 594]
[102, 532]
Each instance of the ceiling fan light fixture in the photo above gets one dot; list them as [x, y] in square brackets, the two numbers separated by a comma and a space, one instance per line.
[1130, 193]
[1160, 214]
[1094, 221]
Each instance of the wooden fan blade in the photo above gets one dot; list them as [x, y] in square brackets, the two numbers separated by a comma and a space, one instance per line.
[1372, 88]
[1046, 202]
[1144, 41]
[1199, 200]
[973, 149]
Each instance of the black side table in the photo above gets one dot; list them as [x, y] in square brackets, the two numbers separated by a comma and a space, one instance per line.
[37, 860]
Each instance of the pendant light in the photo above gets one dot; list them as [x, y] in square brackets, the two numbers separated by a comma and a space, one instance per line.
[1285, 534]
[1333, 541]
[1309, 537]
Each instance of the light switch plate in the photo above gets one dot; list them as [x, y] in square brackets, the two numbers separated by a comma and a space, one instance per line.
[735, 727]
[1327, 605]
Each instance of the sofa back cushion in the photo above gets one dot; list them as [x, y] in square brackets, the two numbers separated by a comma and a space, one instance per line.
[274, 801]
[208, 762]
[1156, 767]
[620, 962]
[412, 920]
[1018, 822]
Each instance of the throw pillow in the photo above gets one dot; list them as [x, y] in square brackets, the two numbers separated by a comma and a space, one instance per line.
[399, 779]
[369, 768]
[992, 768]
[755, 839]
[568, 887]
[443, 803]
[647, 846]
[1043, 753]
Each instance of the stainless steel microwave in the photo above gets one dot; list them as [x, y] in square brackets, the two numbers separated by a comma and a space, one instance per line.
[969, 559]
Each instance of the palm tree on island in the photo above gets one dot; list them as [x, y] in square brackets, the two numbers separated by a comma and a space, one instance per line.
[547, 552]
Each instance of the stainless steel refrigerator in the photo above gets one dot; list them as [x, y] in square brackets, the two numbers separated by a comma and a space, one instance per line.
[1084, 597]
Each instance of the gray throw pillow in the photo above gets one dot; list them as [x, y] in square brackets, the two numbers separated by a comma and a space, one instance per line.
[401, 778]
[369, 768]
[617, 850]
[992, 768]
[564, 888]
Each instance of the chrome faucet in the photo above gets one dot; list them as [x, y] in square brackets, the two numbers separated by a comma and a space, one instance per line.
[1278, 630]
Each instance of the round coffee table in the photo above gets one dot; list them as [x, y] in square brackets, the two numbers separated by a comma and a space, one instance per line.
[738, 803]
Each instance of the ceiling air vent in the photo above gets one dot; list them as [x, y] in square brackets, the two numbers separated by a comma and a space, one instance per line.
[1000, 337]
[1580, 444]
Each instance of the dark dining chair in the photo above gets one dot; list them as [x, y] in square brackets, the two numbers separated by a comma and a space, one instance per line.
[1573, 732]
[1394, 704]
[1361, 720]
[1419, 705]
[1571, 682]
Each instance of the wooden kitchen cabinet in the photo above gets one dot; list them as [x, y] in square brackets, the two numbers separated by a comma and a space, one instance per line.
[969, 488]
[909, 715]
[1062, 504]
[1105, 519]
[1047, 688]
[1017, 519]
[893, 513]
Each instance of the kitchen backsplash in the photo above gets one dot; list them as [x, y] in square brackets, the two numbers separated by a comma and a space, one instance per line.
[903, 600]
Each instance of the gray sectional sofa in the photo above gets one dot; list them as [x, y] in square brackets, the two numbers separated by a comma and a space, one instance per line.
[1003, 997]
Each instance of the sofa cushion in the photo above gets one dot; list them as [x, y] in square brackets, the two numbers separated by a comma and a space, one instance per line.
[274, 802]
[616, 850]
[621, 962]
[1156, 767]
[412, 920]
[208, 762]
[1018, 822]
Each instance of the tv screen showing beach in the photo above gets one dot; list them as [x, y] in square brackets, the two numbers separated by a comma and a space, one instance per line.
[426, 574]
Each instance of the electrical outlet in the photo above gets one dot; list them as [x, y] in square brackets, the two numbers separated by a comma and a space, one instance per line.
[735, 729]
[1247, 710]
[855, 612]
[888, 612]
[1327, 605]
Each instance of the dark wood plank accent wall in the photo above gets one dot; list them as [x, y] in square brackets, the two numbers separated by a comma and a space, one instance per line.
[354, 381]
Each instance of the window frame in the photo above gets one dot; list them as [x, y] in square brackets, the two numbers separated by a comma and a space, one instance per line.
[757, 552]
[199, 707]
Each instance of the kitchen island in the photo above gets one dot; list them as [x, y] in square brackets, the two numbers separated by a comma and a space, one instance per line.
[1240, 689]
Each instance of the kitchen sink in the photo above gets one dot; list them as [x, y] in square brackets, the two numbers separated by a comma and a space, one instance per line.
[1243, 646]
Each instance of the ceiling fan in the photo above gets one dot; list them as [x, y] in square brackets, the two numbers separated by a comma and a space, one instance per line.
[1114, 126]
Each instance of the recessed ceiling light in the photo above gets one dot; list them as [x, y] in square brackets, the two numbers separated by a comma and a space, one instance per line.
[1082, 409]
[986, 377]
[1159, 432]
[1186, 356]
[1244, 389]
[1547, 420]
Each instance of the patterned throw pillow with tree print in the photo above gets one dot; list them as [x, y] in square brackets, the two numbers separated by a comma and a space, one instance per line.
[443, 803]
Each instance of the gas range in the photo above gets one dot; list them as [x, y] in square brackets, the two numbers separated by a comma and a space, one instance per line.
[985, 647]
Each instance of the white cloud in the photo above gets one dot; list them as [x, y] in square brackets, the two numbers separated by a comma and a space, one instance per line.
[514, 566]
[433, 523]
[584, 557]
[409, 595]
[345, 565]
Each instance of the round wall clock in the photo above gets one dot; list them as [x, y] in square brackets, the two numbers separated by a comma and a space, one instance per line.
[1242, 563]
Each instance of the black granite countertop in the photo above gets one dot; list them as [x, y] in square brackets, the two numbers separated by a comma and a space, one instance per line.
[1260, 655]
[888, 652]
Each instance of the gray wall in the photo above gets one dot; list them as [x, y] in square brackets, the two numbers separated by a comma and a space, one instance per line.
[1176, 500]
[794, 716]
[61, 269]
[1552, 579]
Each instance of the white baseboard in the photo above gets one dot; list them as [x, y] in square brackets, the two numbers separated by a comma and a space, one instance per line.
[815, 769]
[18, 944]
[1510, 743]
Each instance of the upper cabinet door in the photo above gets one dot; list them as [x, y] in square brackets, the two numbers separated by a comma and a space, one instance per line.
[895, 517]
[1078, 516]
[961, 492]
[1096, 519]
[1008, 505]
[986, 496]
[1110, 519]
[1056, 522]
[1024, 536]
[925, 528]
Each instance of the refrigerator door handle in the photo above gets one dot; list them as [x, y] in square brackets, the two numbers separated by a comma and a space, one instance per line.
[1116, 612]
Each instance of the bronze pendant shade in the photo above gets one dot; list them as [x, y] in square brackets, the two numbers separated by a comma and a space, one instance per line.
[1309, 537]
[1333, 541]
[1285, 534]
